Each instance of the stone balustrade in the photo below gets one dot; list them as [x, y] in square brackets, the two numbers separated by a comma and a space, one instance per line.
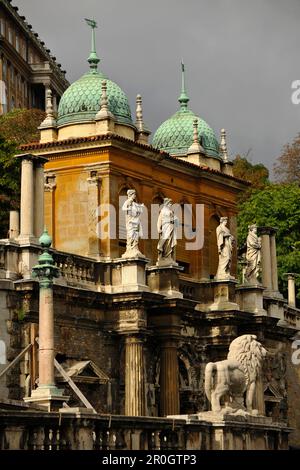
[76, 270]
[36, 430]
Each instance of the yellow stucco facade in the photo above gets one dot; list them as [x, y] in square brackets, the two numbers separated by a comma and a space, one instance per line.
[84, 174]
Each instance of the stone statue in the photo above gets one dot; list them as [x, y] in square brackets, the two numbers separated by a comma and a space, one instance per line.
[253, 255]
[166, 226]
[234, 376]
[225, 243]
[133, 225]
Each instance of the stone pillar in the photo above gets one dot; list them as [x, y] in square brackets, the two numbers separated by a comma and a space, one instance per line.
[169, 378]
[134, 377]
[273, 260]
[266, 258]
[27, 197]
[14, 224]
[47, 88]
[39, 199]
[49, 188]
[55, 103]
[291, 290]
[47, 394]
[93, 204]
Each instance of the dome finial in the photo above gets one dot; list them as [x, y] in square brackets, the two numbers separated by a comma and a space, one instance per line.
[196, 147]
[104, 112]
[139, 113]
[183, 98]
[223, 146]
[93, 59]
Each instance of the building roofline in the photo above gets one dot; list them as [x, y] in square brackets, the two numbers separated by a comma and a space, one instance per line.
[110, 137]
[13, 10]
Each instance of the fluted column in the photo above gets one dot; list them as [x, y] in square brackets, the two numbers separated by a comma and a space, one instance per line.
[273, 255]
[134, 377]
[39, 200]
[169, 377]
[266, 258]
[27, 197]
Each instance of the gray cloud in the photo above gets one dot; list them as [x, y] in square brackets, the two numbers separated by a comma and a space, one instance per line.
[241, 58]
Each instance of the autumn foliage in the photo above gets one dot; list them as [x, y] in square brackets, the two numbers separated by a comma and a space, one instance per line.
[287, 166]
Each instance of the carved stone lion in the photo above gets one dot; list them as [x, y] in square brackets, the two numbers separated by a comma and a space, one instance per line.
[235, 375]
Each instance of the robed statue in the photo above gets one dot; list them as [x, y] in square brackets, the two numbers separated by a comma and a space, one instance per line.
[253, 256]
[167, 227]
[133, 225]
[225, 245]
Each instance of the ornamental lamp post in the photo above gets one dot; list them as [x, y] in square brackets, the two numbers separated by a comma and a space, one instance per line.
[47, 394]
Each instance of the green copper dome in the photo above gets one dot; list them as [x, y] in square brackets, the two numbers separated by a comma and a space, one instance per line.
[81, 101]
[175, 135]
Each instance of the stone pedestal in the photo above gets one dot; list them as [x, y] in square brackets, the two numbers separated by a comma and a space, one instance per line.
[134, 377]
[129, 275]
[224, 295]
[164, 280]
[250, 298]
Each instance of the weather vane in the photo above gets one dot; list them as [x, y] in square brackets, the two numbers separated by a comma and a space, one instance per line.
[91, 23]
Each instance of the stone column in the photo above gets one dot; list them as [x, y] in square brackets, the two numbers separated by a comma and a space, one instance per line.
[27, 197]
[49, 188]
[14, 224]
[55, 103]
[134, 377]
[273, 260]
[266, 258]
[47, 394]
[169, 378]
[291, 290]
[39, 199]
[47, 88]
[93, 203]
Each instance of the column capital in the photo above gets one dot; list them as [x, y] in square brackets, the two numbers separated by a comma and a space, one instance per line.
[134, 339]
[38, 159]
[49, 182]
[291, 276]
[264, 230]
[94, 178]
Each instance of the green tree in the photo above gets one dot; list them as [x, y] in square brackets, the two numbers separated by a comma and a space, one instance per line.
[287, 166]
[9, 183]
[17, 127]
[21, 125]
[276, 206]
[256, 174]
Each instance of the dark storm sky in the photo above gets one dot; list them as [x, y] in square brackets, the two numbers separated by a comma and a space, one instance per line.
[241, 57]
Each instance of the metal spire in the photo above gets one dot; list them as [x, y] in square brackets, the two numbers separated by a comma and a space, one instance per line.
[93, 59]
[183, 98]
